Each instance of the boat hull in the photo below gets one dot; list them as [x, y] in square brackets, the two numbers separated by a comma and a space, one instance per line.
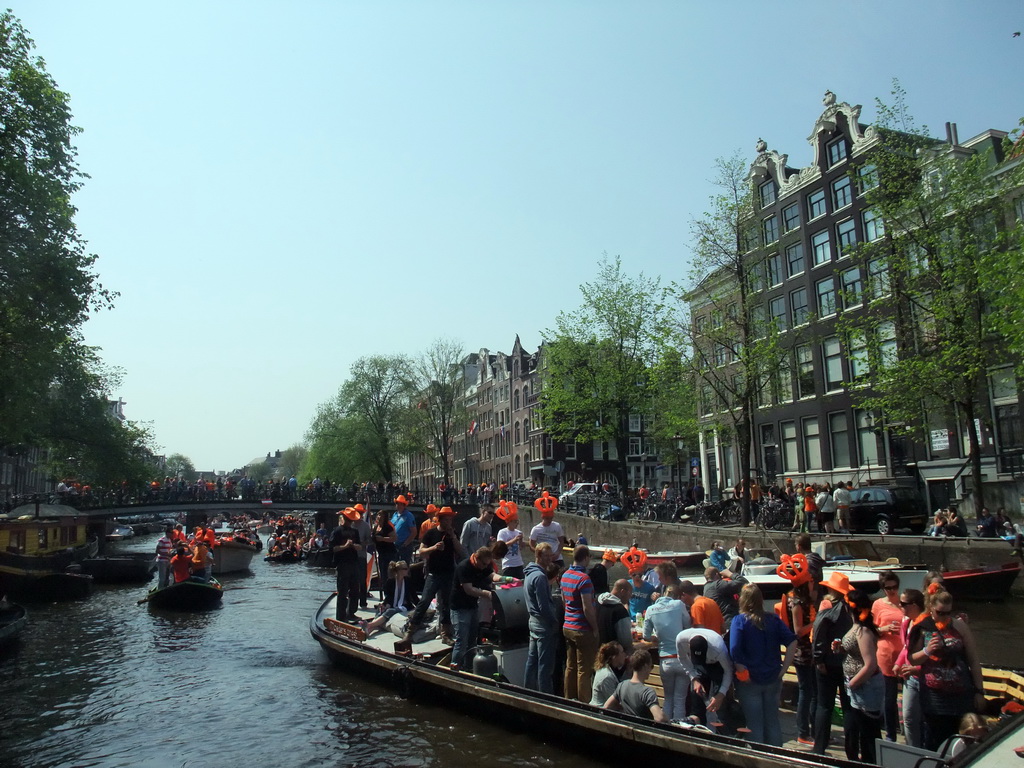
[318, 558]
[187, 596]
[126, 569]
[982, 584]
[13, 618]
[233, 557]
[44, 587]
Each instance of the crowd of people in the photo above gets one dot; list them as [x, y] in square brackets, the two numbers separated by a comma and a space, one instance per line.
[181, 556]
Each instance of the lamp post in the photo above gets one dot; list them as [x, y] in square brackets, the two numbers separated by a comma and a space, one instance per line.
[680, 445]
[869, 422]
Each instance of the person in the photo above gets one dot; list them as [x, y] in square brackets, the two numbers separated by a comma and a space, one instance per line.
[865, 684]
[826, 509]
[345, 545]
[543, 622]
[366, 548]
[842, 497]
[599, 572]
[580, 626]
[202, 559]
[164, 551]
[472, 583]
[611, 657]
[384, 540]
[912, 604]
[951, 682]
[399, 596]
[181, 564]
[512, 564]
[799, 515]
[815, 562]
[799, 613]
[405, 529]
[810, 509]
[442, 550]
[429, 521]
[663, 621]
[719, 559]
[888, 617]
[551, 532]
[832, 623]
[754, 642]
[581, 539]
[640, 599]
[738, 554]
[634, 696]
[987, 525]
[704, 612]
[705, 659]
[724, 592]
[613, 622]
[476, 532]
[956, 525]
[661, 577]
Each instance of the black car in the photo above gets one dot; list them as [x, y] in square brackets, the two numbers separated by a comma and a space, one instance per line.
[884, 509]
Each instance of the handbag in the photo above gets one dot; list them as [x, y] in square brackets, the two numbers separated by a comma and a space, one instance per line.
[869, 697]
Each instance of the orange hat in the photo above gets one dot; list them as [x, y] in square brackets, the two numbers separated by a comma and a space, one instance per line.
[446, 512]
[351, 514]
[360, 509]
[634, 560]
[610, 556]
[838, 581]
[547, 504]
[794, 568]
[431, 510]
[401, 500]
[507, 510]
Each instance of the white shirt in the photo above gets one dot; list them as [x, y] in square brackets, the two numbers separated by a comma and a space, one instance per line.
[514, 558]
[552, 534]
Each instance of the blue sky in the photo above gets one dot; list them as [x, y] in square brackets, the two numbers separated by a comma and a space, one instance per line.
[279, 189]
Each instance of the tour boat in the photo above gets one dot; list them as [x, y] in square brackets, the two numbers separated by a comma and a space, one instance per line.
[233, 555]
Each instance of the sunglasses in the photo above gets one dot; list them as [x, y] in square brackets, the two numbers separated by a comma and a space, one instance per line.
[942, 613]
[905, 605]
[891, 587]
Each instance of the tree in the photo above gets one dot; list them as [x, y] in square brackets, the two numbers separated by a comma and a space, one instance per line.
[438, 406]
[737, 358]
[292, 461]
[596, 363]
[925, 342]
[180, 465]
[49, 286]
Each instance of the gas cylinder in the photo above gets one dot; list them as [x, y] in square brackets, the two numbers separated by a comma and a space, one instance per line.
[485, 664]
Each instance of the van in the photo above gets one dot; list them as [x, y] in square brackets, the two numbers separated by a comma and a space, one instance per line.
[577, 490]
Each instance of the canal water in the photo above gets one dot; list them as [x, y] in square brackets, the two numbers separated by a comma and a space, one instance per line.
[108, 682]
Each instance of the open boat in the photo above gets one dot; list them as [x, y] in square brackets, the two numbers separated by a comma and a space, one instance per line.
[991, 583]
[233, 555]
[858, 556]
[123, 569]
[13, 618]
[190, 595]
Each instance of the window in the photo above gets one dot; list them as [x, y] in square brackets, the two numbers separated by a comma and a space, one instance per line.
[842, 193]
[749, 237]
[820, 247]
[874, 227]
[770, 229]
[917, 259]
[789, 453]
[832, 354]
[700, 323]
[857, 349]
[791, 217]
[785, 382]
[812, 444]
[839, 437]
[867, 440]
[773, 269]
[826, 297]
[798, 304]
[853, 288]
[836, 151]
[767, 191]
[634, 446]
[867, 177]
[887, 344]
[846, 234]
[719, 354]
[1018, 208]
[878, 279]
[777, 309]
[634, 422]
[570, 450]
[804, 371]
[795, 258]
[816, 204]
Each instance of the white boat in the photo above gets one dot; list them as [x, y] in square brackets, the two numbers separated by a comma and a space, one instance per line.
[858, 556]
[233, 556]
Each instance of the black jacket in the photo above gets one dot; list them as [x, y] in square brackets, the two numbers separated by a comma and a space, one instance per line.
[828, 626]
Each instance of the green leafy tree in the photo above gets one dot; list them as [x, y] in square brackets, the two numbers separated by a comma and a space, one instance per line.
[596, 362]
[738, 360]
[292, 462]
[438, 405]
[180, 465]
[49, 286]
[927, 335]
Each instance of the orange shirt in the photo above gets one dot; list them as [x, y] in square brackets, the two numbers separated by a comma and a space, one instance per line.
[426, 526]
[705, 613]
[181, 567]
[889, 643]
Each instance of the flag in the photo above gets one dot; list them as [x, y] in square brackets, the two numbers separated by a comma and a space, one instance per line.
[472, 428]
[502, 430]
[267, 502]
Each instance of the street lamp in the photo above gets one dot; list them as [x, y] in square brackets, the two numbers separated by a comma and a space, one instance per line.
[680, 447]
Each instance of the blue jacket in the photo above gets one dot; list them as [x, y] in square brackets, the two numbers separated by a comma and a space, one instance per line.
[537, 592]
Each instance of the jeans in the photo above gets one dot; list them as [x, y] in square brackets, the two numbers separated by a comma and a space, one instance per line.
[580, 654]
[439, 585]
[807, 700]
[348, 591]
[760, 705]
[829, 682]
[676, 683]
[863, 729]
[466, 623]
[163, 570]
[540, 659]
[912, 715]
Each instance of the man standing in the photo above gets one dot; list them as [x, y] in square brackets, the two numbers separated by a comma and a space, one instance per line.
[164, 549]
[613, 622]
[841, 497]
[471, 583]
[724, 592]
[830, 625]
[547, 530]
[704, 612]
[346, 548]
[362, 527]
[599, 573]
[580, 627]
[540, 659]
[405, 529]
[476, 532]
[441, 550]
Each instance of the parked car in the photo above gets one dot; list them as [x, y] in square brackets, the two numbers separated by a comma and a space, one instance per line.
[884, 509]
[577, 490]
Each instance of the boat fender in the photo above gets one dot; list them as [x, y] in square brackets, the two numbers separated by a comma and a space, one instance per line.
[401, 677]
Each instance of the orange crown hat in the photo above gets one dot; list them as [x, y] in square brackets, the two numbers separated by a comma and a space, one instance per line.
[401, 500]
[610, 556]
[547, 504]
[351, 514]
[507, 510]
[634, 560]
[933, 588]
[794, 568]
[446, 512]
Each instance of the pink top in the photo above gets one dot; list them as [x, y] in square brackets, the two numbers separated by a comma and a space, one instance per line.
[890, 643]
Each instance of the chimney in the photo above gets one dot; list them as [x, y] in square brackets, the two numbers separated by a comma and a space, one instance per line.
[949, 133]
[956, 137]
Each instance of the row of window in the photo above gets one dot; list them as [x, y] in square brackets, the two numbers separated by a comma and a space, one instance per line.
[803, 440]
[835, 152]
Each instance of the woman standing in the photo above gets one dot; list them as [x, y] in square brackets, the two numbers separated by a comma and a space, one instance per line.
[912, 604]
[754, 642]
[864, 681]
[800, 607]
[951, 682]
[888, 616]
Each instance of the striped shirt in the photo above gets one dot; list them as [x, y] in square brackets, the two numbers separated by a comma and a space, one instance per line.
[164, 548]
[576, 587]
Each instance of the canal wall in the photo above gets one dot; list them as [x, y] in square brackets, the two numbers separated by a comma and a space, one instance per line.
[938, 554]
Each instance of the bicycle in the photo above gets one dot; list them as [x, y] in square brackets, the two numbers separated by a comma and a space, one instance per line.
[715, 513]
[773, 515]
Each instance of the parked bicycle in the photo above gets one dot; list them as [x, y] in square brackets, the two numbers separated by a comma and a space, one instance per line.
[774, 515]
[715, 513]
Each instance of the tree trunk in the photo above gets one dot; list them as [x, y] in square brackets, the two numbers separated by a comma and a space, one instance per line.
[975, 457]
[743, 440]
